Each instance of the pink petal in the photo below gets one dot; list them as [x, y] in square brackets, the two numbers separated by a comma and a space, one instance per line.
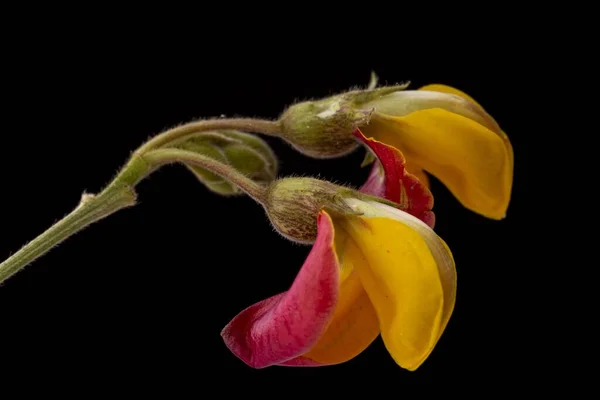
[287, 325]
[375, 183]
[390, 180]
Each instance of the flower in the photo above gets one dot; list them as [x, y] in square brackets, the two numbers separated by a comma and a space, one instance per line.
[445, 132]
[383, 272]
[377, 270]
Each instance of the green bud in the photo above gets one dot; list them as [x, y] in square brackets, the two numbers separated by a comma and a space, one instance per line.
[325, 128]
[245, 152]
[293, 205]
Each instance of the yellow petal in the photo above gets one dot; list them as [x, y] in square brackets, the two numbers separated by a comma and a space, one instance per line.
[354, 325]
[450, 90]
[409, 276]
[470, 159]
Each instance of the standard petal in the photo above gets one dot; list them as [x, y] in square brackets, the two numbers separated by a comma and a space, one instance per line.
[354, 324]
[287, 325]
[448, 89]
[403, 103]
[410, 278]
[390, 179]
[471, 160]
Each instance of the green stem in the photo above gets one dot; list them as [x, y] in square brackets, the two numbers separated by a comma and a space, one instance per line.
[159, 157]
[271, 128]
[119, 193]
[90, 209]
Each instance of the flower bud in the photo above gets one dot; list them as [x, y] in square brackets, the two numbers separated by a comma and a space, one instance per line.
[324, 128]
[245, 152]
[293, 205]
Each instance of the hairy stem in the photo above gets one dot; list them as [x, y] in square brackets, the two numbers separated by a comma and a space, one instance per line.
[159, 157]
[90, 209]
[120, 192]
[271, 128]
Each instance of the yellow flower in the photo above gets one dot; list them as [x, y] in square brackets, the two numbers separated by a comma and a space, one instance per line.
[445, 132]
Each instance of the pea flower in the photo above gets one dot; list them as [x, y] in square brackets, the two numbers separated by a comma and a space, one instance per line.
[445, 132]
[373, 269]
[439, 130]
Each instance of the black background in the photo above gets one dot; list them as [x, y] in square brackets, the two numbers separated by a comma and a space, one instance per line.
[140, 298]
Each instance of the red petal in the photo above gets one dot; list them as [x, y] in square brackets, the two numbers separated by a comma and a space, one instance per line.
[287, 325]
[390, 180]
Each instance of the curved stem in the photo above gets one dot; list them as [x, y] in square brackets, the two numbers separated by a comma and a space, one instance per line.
[90, 209]
[120, 194]
[271, 128]
[159, 157]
